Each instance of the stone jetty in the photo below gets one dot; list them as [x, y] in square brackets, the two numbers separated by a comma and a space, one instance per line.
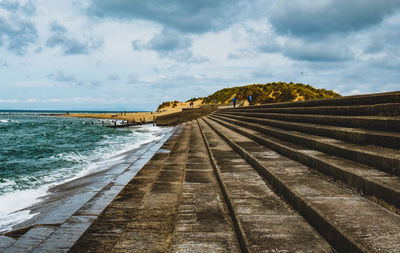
[312, 176]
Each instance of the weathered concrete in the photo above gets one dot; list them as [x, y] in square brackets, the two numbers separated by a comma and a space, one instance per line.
[349, 222]
[366, 122]
[130, 222]
[380, 158]
[267, 222]
[351, 134]
[389, 109]
[203, 223]
[356, 100]
[382, 187]
[187, 114]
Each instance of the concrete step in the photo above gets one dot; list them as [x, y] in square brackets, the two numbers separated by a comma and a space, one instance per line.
[384, 159]
[368, 99]
[365, 122]
[354, 135]
[266, 222]
[203, 222]
[381, 187]
[349, 222]
[389, 109]
[140, 218]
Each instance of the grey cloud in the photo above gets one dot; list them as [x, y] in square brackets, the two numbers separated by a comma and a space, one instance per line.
[27, 7]
[113, 77]
[317, 51]
[197, 16]
[60, 76]
[167, 41]
[307, 18]
[17, 34]
[95, 83]
[70, 46]
[169, 44]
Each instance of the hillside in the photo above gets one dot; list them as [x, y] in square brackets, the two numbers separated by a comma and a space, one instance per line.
[260, 93]
[270, 93]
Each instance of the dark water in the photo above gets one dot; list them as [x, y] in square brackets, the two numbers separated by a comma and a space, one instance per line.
[37, 152]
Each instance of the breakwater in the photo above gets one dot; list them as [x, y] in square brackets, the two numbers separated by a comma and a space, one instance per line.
[187, 114]
[315, 176]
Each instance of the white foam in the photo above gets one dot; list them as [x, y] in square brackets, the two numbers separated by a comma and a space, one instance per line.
[8, 121]
[11, 214]
[108, 152]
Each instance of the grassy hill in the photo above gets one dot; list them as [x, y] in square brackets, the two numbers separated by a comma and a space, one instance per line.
[270, 93]
[263, 93]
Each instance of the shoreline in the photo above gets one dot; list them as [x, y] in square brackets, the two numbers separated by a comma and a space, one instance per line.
[144, 117]
[93, 191]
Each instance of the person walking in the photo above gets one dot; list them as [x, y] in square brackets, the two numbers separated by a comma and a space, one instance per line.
[234, 102]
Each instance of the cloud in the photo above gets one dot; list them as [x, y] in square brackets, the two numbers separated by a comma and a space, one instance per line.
[113, 77]
[61, 77]
[308, 18]
[70, 46]
[169, 44]
[166, 41]
[25, 7]
[9, 101]
[318, 51]
[18, 34]
[182, 15]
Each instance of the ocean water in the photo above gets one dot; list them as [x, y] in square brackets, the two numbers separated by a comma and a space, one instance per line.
[37, 152]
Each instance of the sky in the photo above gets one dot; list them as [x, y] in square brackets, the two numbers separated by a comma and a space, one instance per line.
[135, 54]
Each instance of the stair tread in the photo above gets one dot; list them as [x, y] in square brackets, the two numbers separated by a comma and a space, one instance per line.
[389, 154]
[380, 118]
[333, 128]
[374, 109]
[203, 222]
[369, 225]
[268, 222]
[381, 123]
[367, 173]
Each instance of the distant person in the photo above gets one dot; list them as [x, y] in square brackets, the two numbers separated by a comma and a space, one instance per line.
[234, 102]
[191, 104]
[250, 98]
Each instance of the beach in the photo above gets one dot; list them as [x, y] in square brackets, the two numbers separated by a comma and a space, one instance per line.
[147, 117]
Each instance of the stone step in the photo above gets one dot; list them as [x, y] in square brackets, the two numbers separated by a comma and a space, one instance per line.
[365, 122]
[381, 187]
[131, 221]
[267, 223]
[203, 222]
[354, 135]
[384, 159]
[368, 99]
[349, 222]
[389, 109]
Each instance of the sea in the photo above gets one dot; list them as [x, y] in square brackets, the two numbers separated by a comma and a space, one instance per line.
[38, 151]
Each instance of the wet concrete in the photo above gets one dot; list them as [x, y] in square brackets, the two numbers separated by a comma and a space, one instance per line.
[69, 209]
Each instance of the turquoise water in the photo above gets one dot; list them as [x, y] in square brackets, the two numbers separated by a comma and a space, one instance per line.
[37, 152]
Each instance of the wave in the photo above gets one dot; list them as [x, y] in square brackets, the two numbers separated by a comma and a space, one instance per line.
[8, 121]
[108, 152]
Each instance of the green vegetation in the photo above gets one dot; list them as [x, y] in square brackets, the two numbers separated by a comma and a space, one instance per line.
[193, 99]
[270, 93]
[167, 104]
[263, 94]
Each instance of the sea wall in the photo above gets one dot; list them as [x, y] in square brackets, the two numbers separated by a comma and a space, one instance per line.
[187, 114]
